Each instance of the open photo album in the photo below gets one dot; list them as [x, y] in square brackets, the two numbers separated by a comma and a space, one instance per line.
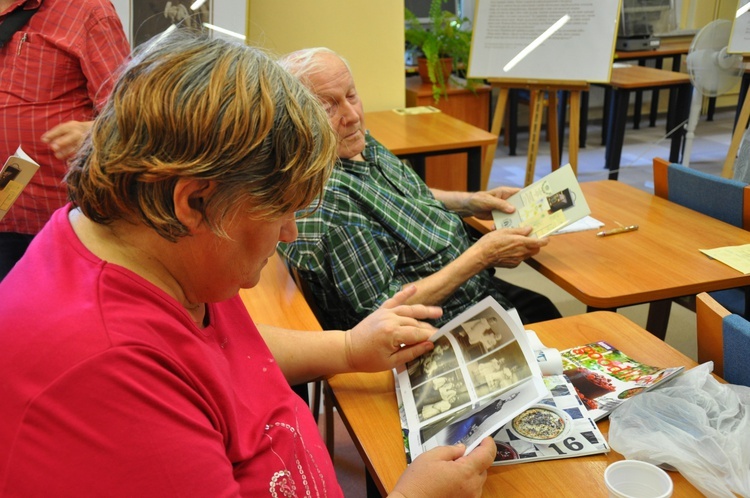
[481, 373]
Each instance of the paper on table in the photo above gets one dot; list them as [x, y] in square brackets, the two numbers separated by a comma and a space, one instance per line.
[585, 223]
[738, 257]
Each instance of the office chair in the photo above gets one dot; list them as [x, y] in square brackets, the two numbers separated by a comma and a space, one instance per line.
[724, 338]
[715, 196]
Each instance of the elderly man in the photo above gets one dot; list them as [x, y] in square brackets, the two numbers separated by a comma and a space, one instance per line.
[379, 227]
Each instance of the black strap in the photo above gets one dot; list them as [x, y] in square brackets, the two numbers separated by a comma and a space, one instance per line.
[13, 22]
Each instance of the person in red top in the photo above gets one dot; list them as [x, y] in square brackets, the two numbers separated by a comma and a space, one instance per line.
[57, 70]
[129, 364]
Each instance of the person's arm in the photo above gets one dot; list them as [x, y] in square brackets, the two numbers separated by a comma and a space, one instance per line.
[479, 204]
[65, 138]
[505, 248]
[389, 337]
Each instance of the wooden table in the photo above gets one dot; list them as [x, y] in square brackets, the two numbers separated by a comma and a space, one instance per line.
[367, 405]
[472, 106]
[655, 264]
[633, 78]
[416, 136]
[277, 301]
[667, 49]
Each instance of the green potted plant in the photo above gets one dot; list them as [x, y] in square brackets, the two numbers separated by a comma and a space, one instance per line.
[445, 44]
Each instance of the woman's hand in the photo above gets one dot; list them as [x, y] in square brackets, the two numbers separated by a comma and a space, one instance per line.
[445, 472]
[508, 247]
[391, 336]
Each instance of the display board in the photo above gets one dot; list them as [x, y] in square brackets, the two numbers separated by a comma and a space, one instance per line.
[739, 40]
[514, 39]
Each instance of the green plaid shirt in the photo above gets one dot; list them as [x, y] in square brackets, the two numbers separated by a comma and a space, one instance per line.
[378, 228]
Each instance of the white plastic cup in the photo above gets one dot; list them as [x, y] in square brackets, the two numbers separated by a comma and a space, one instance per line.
[636, 479]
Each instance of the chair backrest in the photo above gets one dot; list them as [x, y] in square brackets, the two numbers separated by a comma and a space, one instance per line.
[715, 196]
[723, 338]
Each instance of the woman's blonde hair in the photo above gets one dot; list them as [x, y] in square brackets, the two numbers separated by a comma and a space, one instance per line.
[187, 106]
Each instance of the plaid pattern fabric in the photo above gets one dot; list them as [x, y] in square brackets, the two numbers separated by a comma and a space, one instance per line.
[378, 228]
[59, 67]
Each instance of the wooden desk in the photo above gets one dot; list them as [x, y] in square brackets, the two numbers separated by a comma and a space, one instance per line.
[668, 49]
[632, 78]
[416, 136]
[448, 172]
[655, 264]
[277, 301]
[367, 405]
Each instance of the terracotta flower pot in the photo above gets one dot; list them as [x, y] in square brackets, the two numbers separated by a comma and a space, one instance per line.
[446, 62]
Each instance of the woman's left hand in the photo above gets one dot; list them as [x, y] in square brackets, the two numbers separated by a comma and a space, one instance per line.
[391, 336]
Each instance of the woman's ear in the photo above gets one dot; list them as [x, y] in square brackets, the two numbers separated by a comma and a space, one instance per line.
[190, 198]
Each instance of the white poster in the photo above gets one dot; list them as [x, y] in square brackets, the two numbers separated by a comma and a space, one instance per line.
[561, 40]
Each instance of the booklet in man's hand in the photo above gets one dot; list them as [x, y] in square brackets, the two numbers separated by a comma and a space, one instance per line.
[480, 374]
[546, 205]
[605, 377]
[14, 176]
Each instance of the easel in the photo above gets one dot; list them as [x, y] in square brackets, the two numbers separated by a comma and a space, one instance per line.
[536, 90]
[739, 130]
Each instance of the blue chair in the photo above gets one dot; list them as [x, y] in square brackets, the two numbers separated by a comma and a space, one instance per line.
[715, 196]
[724, 338]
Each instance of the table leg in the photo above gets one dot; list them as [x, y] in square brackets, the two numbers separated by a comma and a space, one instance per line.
[574, 135]
[658, 318]
[584, 119]
[474, 169]
[679, 114]
[616, 131]
[638, 103]
[606, 112]
[562, 109]
[512, 122]
[654, 111]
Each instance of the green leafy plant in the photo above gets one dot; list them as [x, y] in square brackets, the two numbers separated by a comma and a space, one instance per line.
[446, 36]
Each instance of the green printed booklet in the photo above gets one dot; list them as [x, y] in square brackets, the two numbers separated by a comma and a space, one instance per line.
[605, 377]
[546, 205]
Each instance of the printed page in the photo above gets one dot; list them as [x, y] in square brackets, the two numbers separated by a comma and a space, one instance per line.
[546, 205]
[14, 176]
[479, 375]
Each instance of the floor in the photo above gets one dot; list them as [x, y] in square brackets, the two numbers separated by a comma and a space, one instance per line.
[711, 142]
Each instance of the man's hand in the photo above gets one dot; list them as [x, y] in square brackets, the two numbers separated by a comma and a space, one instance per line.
[391, 336]
[508, 247]
[65, 139]
[481, 204]
[445, 472]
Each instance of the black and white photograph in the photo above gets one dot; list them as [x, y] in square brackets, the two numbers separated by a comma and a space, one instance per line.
[152, 17]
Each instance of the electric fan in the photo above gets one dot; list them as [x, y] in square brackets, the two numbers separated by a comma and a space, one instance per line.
[712, 71]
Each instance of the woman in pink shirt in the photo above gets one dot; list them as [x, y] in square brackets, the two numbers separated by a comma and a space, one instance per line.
[130, 366]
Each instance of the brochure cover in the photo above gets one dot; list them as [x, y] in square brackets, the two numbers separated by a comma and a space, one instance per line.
[605, 377]
[14, 176]
[480, 374]
[547, 205]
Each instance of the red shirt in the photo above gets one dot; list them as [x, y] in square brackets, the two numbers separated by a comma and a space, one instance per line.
[108, 389]
[58, 67]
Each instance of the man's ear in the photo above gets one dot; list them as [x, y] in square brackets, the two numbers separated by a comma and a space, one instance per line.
[190, 198]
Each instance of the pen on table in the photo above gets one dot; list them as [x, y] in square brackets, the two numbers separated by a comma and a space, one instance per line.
[615, 231]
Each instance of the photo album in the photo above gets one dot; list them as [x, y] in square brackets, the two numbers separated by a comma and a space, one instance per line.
[547, 205]
[480, 374]
[487, 376]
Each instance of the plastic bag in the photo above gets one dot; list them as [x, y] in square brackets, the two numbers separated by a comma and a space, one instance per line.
[697, 425]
